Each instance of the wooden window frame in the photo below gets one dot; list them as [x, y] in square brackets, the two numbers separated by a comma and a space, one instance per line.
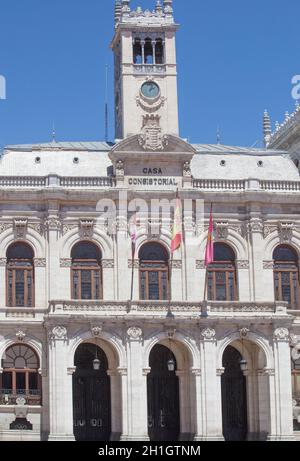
[213, 269]
[291, 271]
[13, 266]
[163, 269]
[94, 266]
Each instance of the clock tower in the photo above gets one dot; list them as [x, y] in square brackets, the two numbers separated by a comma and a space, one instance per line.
[145, 70]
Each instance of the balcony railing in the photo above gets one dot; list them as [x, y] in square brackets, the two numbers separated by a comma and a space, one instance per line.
[94, 182]
[219, 184]
[41, 182]
[149, 68]
[182, 308]
[32, 397]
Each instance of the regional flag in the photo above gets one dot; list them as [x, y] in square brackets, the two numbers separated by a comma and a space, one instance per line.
[177, 227]
[209, 253]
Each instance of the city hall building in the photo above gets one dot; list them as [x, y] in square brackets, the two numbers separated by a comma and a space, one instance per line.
[88, 355]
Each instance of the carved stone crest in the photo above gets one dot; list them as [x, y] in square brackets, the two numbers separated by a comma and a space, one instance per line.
[221, 230]
[285, 230]
[170, 332]
[187, 172]
[96, 330]
[244, 332]
[20, 335]
[208, 333]
[86, 229]
[20, 228]
[120, 168]
[281, 334]
[134, 333]
[58, 332]
[152, 137]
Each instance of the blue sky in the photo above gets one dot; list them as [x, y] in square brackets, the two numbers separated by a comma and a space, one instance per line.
[235, 58]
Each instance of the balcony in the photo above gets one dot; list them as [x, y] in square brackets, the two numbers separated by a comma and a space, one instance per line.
[32, 397]
[160, 309]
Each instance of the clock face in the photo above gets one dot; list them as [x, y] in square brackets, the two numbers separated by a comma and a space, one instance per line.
[150, 90]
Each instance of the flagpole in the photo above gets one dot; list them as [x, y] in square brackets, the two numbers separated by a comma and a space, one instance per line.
[209, 254]
[132, 270]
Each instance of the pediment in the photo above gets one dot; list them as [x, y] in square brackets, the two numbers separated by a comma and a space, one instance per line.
[170, 146]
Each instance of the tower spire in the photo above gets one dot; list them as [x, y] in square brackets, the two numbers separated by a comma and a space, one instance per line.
[267, 129]
[118, 11]
[125, 7]
[168, 7]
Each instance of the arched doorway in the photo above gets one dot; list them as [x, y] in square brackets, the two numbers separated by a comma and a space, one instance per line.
[91, 394]
[163, 396]
[234, 397]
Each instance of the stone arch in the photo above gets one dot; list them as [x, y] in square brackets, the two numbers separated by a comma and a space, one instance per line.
[256, 339]
[256, 401]
[273, 241]
[162, 240]
[234, 240]
[33, 239]
[187, 358]
[116, 358]
[179, 339]
[101, 239]
[112, 346]
[30, 341]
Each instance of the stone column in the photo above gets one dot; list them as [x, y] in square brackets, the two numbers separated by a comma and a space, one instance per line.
[198, 404]
[53, 226]
[257, 288]
[212, 414]
[137, 388]
[3, 282]
[282, 387]
[116, 398]
[122, 253]
[124, 402]
[60, 387]
[184, 405]
[153, 49]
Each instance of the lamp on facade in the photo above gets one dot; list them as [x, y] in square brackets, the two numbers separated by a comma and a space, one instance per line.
[243, 362]
[171, 361]
[96, 362]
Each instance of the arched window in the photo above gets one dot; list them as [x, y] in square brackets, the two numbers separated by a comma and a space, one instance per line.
[137, 51]
[286, 275]
[20, 275]
[148, 51]
[159, 51]
[20, 377]
[154, 272]
[221, 275]
[86, 271]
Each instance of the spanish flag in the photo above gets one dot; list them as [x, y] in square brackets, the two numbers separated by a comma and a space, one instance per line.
[209, 253]
[177, 228]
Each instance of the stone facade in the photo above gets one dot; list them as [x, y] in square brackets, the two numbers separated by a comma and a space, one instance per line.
[256, 208]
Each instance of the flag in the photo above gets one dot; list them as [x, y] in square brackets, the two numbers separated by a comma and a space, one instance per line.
[209, 253]
[133, 233]
[177, 228]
